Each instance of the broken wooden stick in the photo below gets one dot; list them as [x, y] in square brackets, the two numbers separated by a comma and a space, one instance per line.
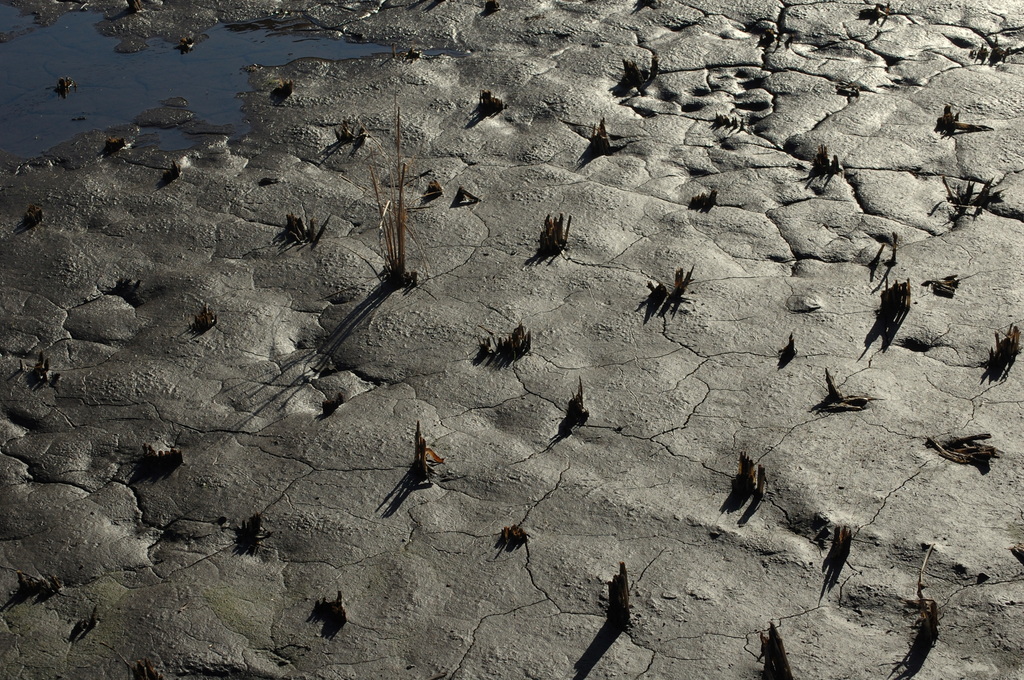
[787, 353]
[776, 663]
[425, 458]
[945, 287]
[836, 401]
[42, 587]
[618, 598]
[965, 450]
[749, 480]
[928, 611]
[948, 124]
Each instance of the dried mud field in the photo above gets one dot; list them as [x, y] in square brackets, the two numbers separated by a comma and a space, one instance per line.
[209, 411]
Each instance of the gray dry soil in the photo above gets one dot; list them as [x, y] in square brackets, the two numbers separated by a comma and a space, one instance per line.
[674, 395]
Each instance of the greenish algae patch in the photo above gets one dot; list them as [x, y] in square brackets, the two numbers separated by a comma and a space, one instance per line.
[248, 611]
[39, 630]
[107, 594]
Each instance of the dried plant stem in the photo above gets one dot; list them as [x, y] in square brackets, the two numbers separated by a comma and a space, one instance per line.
[920, 575]
[394, 213]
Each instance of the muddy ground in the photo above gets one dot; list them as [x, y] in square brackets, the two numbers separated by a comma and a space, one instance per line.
[99, 360]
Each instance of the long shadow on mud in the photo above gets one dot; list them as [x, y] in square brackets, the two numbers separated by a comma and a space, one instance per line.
[410, 481]
[153, 470]
[895, 305]
[885, 327]
[660, 302]
[32, 588]
[911, 664]
[566, 427]
[593, 152]
[1000, 362]
[832, 567]
[736, 499]
[355, 317]
[326, 614]
[601, 643]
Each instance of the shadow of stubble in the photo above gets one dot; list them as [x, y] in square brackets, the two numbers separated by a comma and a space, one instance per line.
[330, 626]
[736, 499]
[410, 481]
[833, 569]
[354, 318]
[912, 663]
[601, 643]
[886, 325]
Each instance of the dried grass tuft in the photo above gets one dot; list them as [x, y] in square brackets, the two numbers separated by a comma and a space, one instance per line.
[203, 321]
[504, 351]
[144, 670]
[704, 202]
[332, 610]
[284, 89]
[172, 173]
[600, 142]
[389, 192]
[250, 535]
[555, 236]
[298, 232]
[33, 216]
[822, 165]
[963, 197]
[113, 145]
[331, 405]
[42, 587]
[161, 459]
[576, 413]
[64, 87]
[877, 14]
[489, 104]
[512, 537]
[733, 123]
[1004, 355]
[749, 479]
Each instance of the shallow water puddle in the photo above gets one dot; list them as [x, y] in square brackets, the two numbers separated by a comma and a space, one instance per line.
[113, 88]
[12, 23]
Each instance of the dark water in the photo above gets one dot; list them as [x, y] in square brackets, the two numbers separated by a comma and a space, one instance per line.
[114, 88]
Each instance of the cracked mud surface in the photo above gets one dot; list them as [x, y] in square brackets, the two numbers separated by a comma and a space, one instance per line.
[675, 392]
